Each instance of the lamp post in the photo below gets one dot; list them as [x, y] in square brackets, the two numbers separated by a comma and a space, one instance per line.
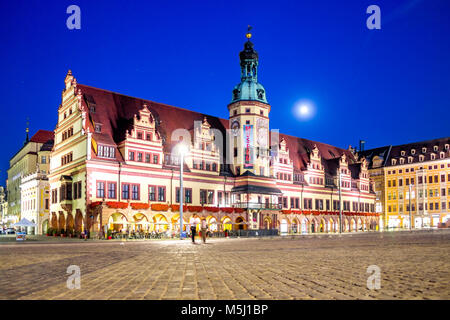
[410, 215]
[182, 150]
[340, 204]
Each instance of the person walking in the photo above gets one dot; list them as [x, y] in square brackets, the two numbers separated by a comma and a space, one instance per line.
[193, 232]
[204, 229]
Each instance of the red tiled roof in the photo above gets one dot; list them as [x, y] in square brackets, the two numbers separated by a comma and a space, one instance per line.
[42, 136]
[115, 113]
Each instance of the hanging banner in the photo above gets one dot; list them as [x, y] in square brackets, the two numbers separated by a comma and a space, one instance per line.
[94, 145]
[248, 146]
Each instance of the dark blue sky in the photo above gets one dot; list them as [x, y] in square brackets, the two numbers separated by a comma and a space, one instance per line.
[387, 86]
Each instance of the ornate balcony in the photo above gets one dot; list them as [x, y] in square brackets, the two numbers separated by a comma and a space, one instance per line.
[256, 205]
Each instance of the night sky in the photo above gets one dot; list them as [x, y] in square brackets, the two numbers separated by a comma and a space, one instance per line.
[388, 86]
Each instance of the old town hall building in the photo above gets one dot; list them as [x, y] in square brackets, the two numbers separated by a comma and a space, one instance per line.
[115, 165]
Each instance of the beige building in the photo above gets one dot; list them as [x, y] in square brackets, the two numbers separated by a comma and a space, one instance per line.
[412, 183]
[25, 162]
[3, 207]
[35, 194]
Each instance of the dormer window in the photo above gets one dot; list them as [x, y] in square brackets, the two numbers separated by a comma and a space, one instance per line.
[402, 161]
[402, 153]
[435, 148]
[424, 150]
[442, 155]
[433, 156]
[410, 159]
[447, 147]
[394, 161]
[421, 157]
[106, 151]
[98, 128]
[413, 151]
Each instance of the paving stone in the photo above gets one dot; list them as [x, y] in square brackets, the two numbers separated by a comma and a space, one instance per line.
[330, 267]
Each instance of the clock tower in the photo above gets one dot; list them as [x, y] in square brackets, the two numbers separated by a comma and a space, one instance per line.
[249, 118]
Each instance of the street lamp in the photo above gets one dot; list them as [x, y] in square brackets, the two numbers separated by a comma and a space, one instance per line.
[182, 151]
[340, 204]
[410, 215]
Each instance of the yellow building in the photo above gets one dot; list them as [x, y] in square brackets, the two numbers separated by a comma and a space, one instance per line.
[25, 162]
[412, 179]
[35, 194]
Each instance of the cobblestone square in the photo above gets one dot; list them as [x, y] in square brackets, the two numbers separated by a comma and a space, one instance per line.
[413, 265]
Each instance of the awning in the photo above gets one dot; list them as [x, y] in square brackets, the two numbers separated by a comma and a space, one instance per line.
[24, 223]
[249, 188]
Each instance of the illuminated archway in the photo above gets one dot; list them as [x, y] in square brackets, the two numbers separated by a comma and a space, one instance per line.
[45, 226]
[160, 223]
[322, 225]
[294, 226]
[314, 226]
[352, 225]
[305, 226]
[117, 222]
[176, 223]
[212, 223]
[267, 223]
[227, 224]
[240, 224]
[284, 226]
[140, 222]
[196, 221]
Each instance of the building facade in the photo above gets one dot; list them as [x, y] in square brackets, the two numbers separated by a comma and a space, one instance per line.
[3, 207]
[412, 183]
[115, 165]
[35, 192]
[25, 162]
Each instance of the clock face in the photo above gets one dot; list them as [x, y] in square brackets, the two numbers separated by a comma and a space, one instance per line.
[235, 128]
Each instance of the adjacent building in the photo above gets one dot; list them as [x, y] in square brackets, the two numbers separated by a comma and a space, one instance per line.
[411, 180]
[35, 191]
[3, 207]
[25, 162]
[115, 164]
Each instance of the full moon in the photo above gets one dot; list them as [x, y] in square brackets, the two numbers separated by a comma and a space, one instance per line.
[304, 110]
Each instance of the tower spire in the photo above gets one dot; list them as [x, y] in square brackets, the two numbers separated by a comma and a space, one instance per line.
[249, 35]
[249, 88]
[27, 130]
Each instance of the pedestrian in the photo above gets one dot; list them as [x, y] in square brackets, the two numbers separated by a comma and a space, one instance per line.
[204, 228]
[193, 232]
[85, 234]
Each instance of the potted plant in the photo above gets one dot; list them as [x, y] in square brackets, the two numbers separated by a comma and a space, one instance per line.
[109, 234]
[49, 232]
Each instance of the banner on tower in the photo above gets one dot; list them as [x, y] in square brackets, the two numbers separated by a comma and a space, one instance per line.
[248, 146]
